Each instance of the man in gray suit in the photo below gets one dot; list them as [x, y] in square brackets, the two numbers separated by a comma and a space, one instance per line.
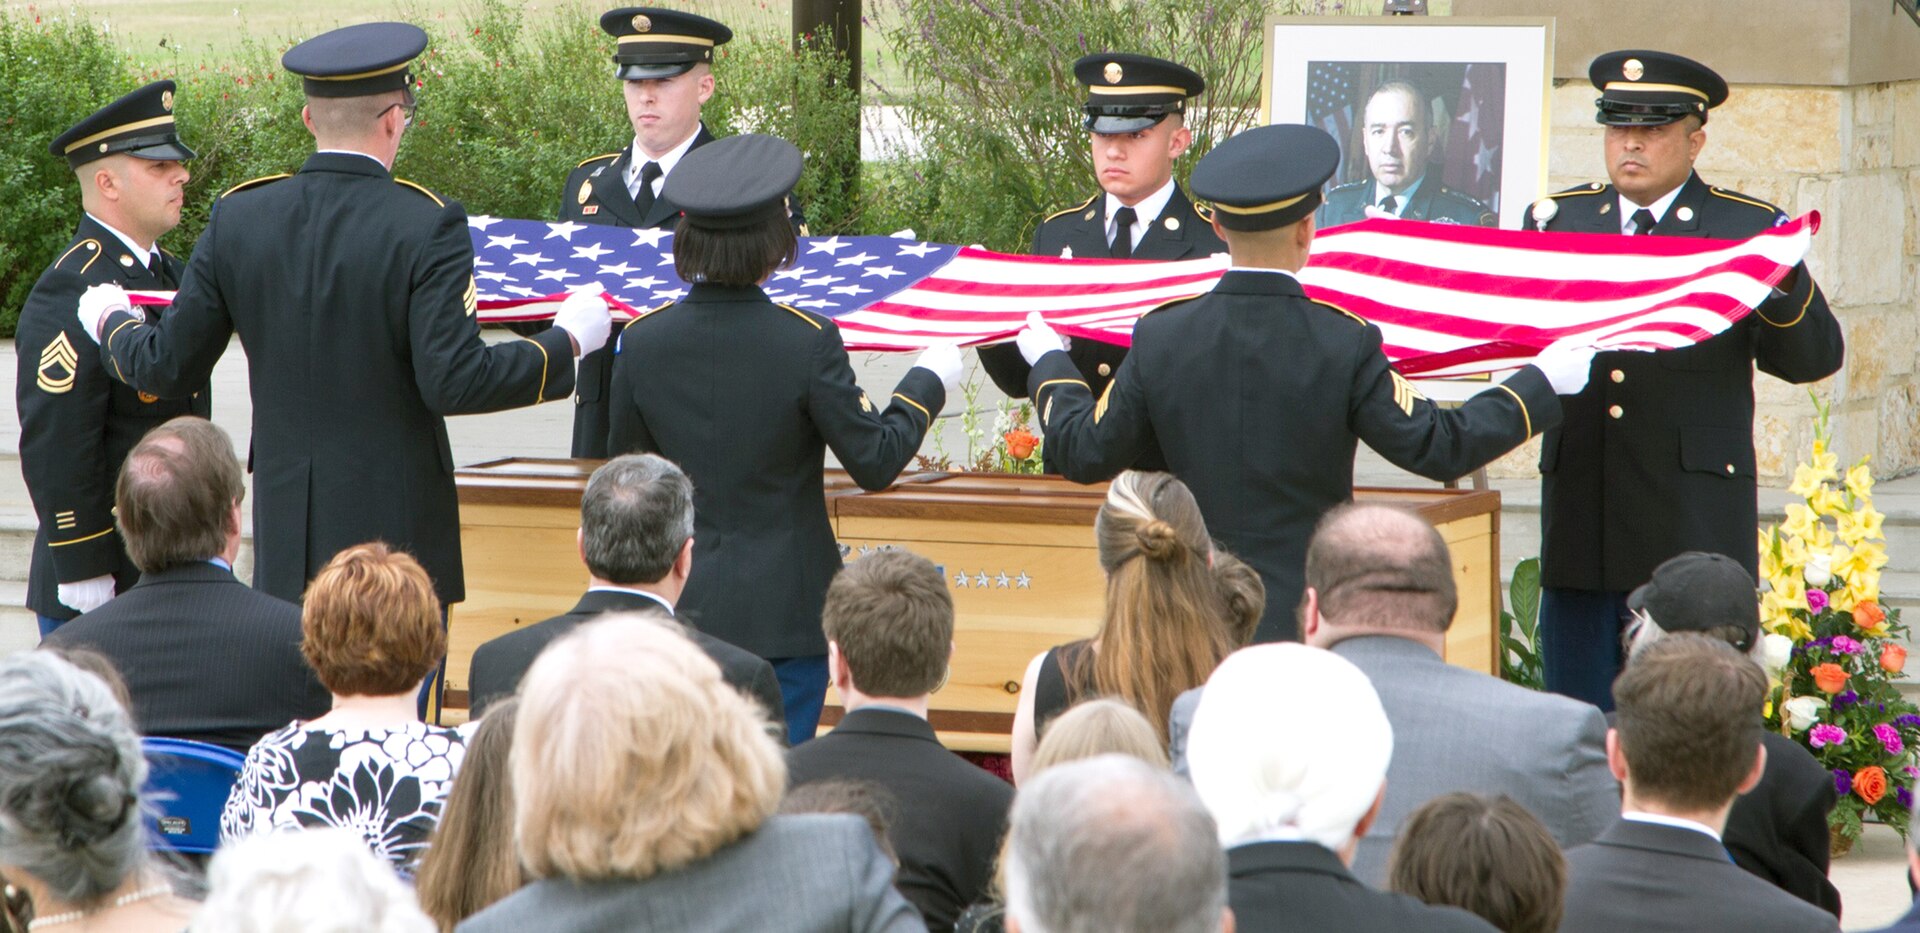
[1380, 593]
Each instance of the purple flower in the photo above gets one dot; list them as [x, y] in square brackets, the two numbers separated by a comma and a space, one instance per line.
[1817, 602]
[1844, 699]
[1889, 738]
[1905, 797]
[1825, 734]
[1842, 781]
[1907, 720]
[1841, 643]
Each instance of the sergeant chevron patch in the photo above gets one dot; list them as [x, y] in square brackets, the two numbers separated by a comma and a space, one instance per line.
[1404, 394]
[57, 364]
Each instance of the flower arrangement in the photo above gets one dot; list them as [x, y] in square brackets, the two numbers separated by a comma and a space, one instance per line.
[1833, 647]
[1010, 444]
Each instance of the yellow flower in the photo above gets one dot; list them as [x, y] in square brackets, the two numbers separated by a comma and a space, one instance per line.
[1841, 599]
[1865, 523]
[1859, 480]
[1825, 462]
[1828, 501]
[1800, 521]
[1806, 481]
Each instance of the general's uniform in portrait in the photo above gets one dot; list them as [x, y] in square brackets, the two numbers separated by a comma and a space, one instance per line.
[1430, 201]
[76, 423]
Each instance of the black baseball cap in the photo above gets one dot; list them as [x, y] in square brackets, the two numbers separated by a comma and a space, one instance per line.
[1697, 592]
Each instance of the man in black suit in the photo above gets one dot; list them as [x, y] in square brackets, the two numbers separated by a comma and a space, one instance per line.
[353, 294]
[76, 423]
[889, 626]
[1685, 743]
[1396, 130]
[1136, 120]
[1256, 351]
[636, 538]
[664, 64]
[204, 656]
[1656, 456]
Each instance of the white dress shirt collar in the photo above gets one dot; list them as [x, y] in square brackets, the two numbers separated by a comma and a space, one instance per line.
[1659, 819]
[1144, 213]
[1659, 209]
[656, 597]
[667, 162]
[147, 253]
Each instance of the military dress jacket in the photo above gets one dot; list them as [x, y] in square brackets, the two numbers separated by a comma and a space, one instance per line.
[1182, 231]
[1655, 456]
[353, 295]
[1432, 201]
[746, 395]
[1257, 396]
[596, 193]
[76, 423]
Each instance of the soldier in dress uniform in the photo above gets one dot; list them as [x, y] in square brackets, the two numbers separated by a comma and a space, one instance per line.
[353, 293]
[1136, 120]
[664, 64]
[1656, 456]
[1257, 394]
[1396, 131]
[746, 395]
[76, 423]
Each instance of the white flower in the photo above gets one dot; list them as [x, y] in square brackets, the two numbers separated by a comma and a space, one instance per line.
[1803, 712]
[1819, 570]
[1777, 650]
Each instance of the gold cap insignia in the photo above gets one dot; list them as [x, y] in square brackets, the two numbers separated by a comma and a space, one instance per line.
[166, 101]
[641, 23]
[57, 364]
[586, 191]
[1112, 73]
[1684, 213]
[1633, 69]
[1173, 223]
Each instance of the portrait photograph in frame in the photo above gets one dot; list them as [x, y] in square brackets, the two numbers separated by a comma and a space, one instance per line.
[1441, 119]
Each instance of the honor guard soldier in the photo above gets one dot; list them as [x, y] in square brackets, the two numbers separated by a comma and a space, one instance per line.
[1397, 134]
[1656, 456]
[76, 423]
[1257, 393]
[353, 293]
[1136, 120]
[664, 62]
[746, 395]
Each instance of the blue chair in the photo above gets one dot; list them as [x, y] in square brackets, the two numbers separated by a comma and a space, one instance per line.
[187, 787]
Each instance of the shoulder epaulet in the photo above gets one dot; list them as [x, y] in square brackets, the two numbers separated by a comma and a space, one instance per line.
[1205, 212]
[1348, 186]
[255, 183]
[589, 161]
[1162, 306]
[420, 188]
[654, 310]
[802, 315]
[1589, 188]
[1743, 199]
[1334, 307]
[1083, 205]
[83, 252]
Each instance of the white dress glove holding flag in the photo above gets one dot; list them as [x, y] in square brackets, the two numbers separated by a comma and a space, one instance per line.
[1566, 366]
[1038, 339]
[95, 304]
[943, 360]
[584, 316]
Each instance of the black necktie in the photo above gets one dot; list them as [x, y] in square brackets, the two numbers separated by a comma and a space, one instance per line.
[643, 198]
[158, 268]
[1122, 234]
[1386, 204]
[1642, 222]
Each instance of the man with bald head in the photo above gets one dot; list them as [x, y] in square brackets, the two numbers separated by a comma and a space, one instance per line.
[1399, 137]
[1380, 593]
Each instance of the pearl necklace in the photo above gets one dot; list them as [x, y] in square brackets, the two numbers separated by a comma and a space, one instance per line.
[121, 901]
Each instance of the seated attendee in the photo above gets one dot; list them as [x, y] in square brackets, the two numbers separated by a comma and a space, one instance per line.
[1380, 593]
[1245, 593]
[1289, 751]
[1778, 830]
[373, 633]
[317, 881]
[1116, 845]
[864, 799]
[1165, 624]
[636, 538]
[889, 626]
[1489, 856]
[644, 788]
[470, 861]
[1685, 743]
[204, 656]
[71, 843]
[1098, 727]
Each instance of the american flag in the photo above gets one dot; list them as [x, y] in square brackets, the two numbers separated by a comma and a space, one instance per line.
[1330, 93]
[1474, 151]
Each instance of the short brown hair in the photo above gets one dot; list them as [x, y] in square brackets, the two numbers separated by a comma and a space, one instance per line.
[371, 622]
[176, 492]
[740, 256]
[1486, 855]
[1688, 719]
[892, 617]
[1375, 566]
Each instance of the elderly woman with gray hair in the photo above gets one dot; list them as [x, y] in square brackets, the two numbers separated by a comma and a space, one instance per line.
[70, 835]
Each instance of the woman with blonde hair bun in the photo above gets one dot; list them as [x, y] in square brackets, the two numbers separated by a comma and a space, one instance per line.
[1166, 622]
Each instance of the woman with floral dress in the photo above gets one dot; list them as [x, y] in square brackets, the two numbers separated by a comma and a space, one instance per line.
[372, 632]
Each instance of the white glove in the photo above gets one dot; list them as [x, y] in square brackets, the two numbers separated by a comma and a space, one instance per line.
[95, 304]
[87, 595]
[943, 360]
[1038, 339]
[584, 316]
[1566, 367]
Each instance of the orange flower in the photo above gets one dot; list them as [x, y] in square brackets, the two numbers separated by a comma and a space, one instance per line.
[1868, 615]
[1871, 784]
[1829, 677]
[1893, 659]
[1020, 443]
